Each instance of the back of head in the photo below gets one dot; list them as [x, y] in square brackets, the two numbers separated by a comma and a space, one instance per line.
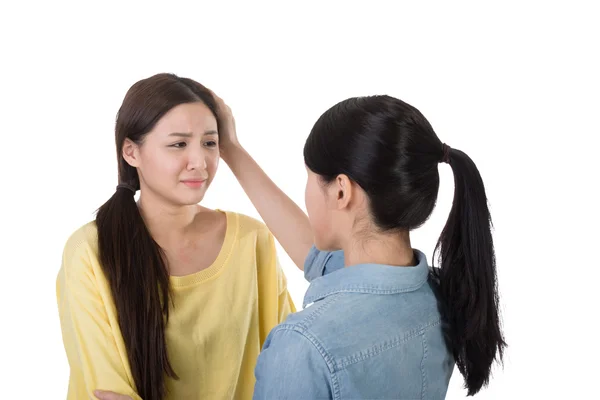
[391, 151]
[132, 261]
[388, 148]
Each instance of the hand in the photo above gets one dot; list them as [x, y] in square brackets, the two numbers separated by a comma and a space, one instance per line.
[105, 395]
[228, 141]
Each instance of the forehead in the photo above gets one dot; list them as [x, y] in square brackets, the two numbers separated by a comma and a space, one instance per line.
[187, 118]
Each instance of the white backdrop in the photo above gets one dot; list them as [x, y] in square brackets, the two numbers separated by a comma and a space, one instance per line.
[515, 86]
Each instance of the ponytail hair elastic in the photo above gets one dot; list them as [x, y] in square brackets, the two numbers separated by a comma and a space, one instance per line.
[445, 153]
[126, 186]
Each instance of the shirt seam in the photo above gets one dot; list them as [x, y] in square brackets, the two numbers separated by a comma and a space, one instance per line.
[351, 289]
[376, 350]
[424, 376]
[315, 313]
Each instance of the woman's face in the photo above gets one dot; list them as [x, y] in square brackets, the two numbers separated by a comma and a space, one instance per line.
[178, 159]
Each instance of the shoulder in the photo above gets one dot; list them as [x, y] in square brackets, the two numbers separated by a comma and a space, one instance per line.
[83, 239]
[294, 339]
[80, 250]
[292, 365]
[250, 225]
[309, 321]
[383, 319]
[80, 256]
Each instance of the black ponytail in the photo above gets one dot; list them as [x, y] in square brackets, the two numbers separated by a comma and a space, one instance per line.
[136, 270]
[467, 277]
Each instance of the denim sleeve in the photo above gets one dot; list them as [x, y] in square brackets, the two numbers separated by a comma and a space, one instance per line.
[319, 263]
[291, 367]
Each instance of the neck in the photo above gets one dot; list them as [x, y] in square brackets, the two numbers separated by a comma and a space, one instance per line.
[388, 249]
[166, 220]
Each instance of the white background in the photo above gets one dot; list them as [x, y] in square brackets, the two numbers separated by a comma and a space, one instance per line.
[516, 86]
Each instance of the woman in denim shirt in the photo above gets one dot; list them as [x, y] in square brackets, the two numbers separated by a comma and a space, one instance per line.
[386, 326]
[378, 323]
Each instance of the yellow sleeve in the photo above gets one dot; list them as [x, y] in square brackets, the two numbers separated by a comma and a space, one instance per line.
[275, 301]
[94, 358]
[286, 304]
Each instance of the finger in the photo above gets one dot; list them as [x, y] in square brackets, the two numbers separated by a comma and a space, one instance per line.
[105, 395]
[214, 95]
[102, 395]
[220, 102]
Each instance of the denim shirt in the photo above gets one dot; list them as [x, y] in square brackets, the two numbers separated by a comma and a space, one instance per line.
[368, 331]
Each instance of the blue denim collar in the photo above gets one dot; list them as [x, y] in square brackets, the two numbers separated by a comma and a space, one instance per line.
[370, 278]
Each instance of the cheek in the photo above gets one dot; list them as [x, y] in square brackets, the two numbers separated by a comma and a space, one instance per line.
[171, 166]
[163, 169]
[212, 163]
[154, 163]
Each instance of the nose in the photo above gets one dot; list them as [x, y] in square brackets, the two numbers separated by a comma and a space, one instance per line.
[196, 159]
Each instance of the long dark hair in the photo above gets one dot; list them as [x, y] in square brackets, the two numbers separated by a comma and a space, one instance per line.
[134, 264]
[391, 151]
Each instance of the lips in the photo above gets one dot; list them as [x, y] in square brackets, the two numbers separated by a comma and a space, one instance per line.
[194, 183]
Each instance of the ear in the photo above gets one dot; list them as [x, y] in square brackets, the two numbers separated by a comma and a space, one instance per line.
[131, 153]
[342, 189]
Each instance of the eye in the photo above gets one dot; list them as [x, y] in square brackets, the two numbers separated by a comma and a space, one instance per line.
[210, 143]
[179, 145]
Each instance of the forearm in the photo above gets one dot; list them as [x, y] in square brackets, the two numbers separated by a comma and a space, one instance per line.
[288, 223]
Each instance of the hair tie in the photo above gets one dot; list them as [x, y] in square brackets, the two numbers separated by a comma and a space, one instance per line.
[445, 153]
[126, 186]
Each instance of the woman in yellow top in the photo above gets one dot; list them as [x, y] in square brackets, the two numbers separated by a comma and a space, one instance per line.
[163, 298]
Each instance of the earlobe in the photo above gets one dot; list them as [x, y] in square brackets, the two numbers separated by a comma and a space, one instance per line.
[130, 153]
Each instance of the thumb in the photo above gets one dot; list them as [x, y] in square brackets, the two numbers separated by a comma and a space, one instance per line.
[105, 395]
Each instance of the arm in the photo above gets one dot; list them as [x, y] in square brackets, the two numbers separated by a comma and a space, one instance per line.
[284, 218]
[94, 359]
[291, 367]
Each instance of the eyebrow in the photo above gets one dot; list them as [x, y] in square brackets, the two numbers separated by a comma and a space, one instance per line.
[189, 135]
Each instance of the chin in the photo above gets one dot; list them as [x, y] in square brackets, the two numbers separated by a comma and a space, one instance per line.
[194, 200]
[190, 198]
